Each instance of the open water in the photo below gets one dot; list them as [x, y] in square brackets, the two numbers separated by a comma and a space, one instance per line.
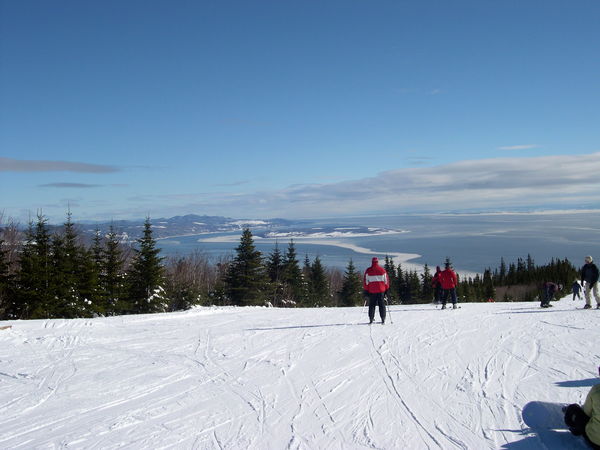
[472, 242]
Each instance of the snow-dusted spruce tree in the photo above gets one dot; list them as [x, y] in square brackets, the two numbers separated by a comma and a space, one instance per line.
[351, 293]
[70, 275]
[112, 289]
[33, 299]
[246, 281]
[145, 278]
[5, 281]
[276, 276]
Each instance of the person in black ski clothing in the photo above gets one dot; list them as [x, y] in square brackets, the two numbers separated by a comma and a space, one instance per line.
[589, 281]
[437, 285]
[576, 288]
[549, 290]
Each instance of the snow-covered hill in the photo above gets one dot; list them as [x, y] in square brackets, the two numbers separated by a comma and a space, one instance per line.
[258, 378]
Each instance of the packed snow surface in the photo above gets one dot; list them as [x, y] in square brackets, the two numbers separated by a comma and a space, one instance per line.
[267, 378]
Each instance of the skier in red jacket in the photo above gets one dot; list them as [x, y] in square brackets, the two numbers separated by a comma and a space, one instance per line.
[448, 281]
[375, 284]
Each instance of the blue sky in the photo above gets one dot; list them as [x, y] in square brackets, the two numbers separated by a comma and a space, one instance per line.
[297, 109]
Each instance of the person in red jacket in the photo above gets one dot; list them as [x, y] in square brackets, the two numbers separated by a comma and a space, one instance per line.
[375, 284]
[448, 281]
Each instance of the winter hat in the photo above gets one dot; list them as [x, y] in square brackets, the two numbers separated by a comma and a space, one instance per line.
[588, 259]
[375, 260]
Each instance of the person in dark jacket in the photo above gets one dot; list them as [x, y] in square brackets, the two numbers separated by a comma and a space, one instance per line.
[448, 281]
[576, 288]
[589, 281]
[375, 285]
[549, 290]
[436, 285]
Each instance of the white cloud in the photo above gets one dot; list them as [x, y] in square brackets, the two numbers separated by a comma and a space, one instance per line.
[70, 185]
[500, 183]
[20, 165]
[519, 147]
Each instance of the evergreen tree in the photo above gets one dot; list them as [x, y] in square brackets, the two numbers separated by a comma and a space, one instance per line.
[488, 285]
[318, 291]
[246, 281]
[393, 292]
[401, 284]
[426, 287]
[66, 263]
[112, 278]
[146, 293]
[276, 275]
[351, 293]
[306, 283]
[275, 264]
[292, 275]
[413, 287]
[34, 299]
[503, 272]
[530, 264]
[6, 280]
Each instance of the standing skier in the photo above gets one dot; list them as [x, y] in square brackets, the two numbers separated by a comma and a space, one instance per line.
[589, 281]
[435, 284]
[375, 285]
[448, 281]
[576, 288]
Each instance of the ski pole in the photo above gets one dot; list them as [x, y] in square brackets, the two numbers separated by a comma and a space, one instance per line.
[388, 308]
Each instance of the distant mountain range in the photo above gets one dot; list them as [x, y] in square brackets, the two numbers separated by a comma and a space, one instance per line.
[190, 224]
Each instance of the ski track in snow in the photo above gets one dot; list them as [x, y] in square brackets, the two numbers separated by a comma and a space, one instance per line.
[264, 378]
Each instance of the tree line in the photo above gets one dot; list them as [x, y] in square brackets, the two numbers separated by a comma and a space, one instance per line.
[56, 274]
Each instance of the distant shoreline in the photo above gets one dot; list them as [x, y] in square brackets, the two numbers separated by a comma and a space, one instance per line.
[398, 258]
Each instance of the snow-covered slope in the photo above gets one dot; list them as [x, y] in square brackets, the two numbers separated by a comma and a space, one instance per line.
[258, 378]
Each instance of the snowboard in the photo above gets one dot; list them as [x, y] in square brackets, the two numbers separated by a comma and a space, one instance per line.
[546, 420]
[544, 415]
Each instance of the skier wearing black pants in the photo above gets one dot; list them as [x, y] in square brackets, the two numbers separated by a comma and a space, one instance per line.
[549, 290]
[448, 281]
[375, 284]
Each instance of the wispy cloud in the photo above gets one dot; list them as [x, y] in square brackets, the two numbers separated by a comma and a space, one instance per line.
[500, 183]
[519, 147]
[20, 165]
[70, 185]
